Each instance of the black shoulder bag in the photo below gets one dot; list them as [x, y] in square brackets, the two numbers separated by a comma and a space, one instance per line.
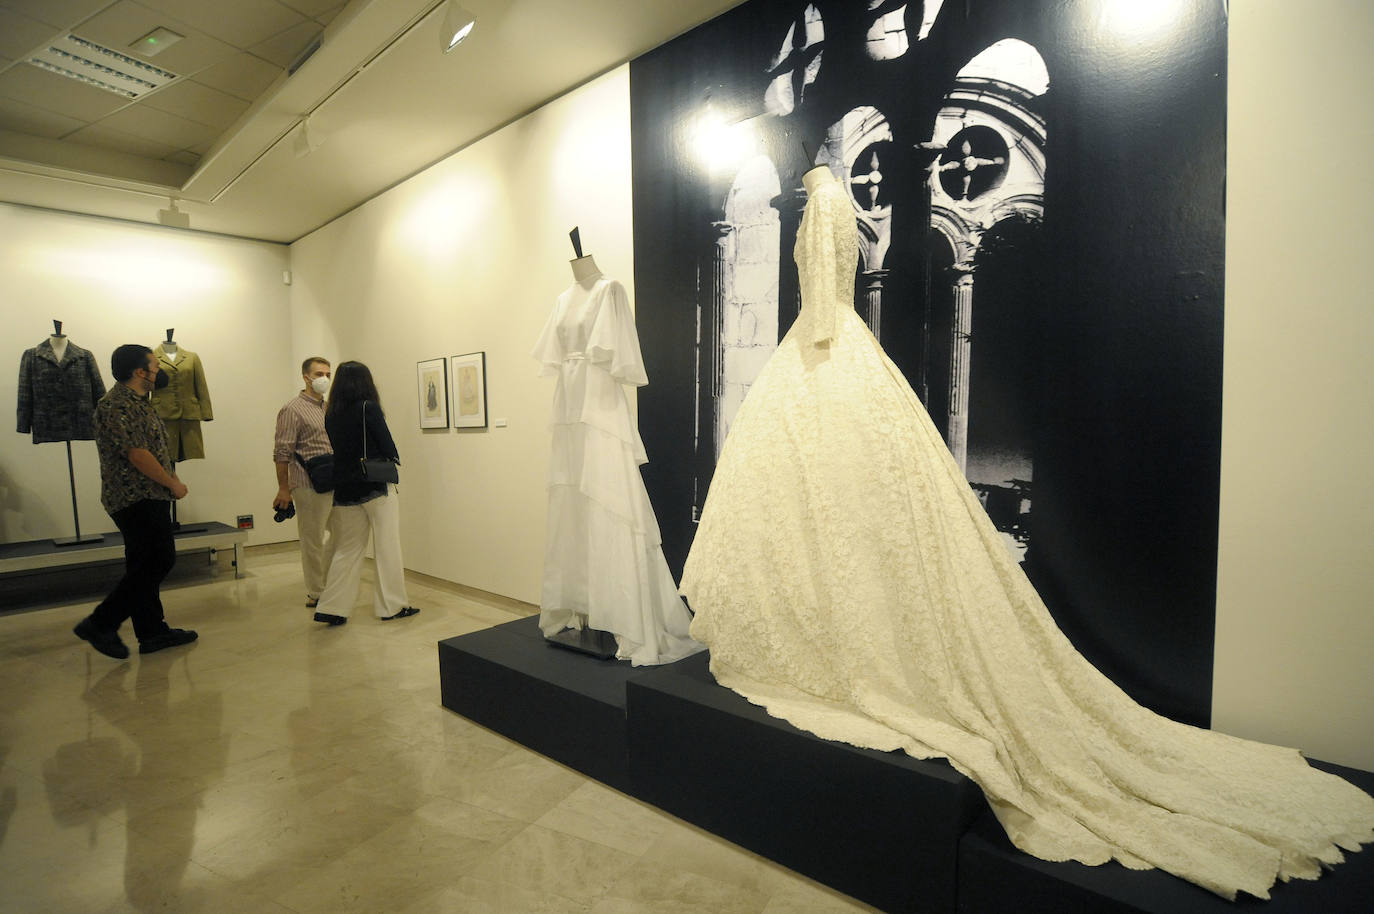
[376, 469]
[320, 470]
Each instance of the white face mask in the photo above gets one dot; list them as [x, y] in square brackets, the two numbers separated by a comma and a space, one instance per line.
[319, 385]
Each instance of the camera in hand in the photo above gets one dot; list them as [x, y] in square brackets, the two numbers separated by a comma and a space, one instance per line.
[283, 513]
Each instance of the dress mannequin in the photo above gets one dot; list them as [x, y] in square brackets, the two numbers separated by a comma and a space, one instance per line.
[59, 386]
[607, 589]
[815, 177]
[585, 271]
[184, 403]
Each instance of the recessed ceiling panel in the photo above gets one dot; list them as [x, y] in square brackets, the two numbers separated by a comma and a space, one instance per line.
[57, 93]
[121, 26]
[60, 14]
[314, 8]
[330, 16]
[283, 49]
[19, 34]
[242, 76]
[109, 138]
[177, 132]
[25, 118]
[184, 157]
[191, 100]
[242, 23]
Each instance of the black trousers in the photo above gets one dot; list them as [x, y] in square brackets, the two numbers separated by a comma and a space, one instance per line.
[149, 555]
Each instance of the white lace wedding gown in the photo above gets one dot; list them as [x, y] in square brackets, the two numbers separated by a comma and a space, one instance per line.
[846, 578]
[603, 557]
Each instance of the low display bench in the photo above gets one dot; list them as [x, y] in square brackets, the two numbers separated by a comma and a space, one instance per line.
[40, 555]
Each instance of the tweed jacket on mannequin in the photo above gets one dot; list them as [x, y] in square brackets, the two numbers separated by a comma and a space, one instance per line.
[57, 398]
[186, 395]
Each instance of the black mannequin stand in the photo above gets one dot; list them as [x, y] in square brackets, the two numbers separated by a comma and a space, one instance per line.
[176, 525]
[593, 641]
[76, 515]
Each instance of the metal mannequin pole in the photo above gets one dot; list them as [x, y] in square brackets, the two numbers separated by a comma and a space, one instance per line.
[76, 515]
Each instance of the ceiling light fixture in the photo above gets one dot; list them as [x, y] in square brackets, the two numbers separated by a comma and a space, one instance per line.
[458, 23]
[174, 217]
[99, 66]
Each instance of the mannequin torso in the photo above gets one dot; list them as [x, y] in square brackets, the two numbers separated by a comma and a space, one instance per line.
[815, 177]
[585, 271]
[59, 346]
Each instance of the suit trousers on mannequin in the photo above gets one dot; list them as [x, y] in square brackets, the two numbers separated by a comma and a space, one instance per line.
[317, 544]
[350, 525]
[149, 554]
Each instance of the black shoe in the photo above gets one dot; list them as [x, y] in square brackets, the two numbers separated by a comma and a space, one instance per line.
[312, 602]
[330, 618]
[172, 637]
[405, 612]
[107, 643]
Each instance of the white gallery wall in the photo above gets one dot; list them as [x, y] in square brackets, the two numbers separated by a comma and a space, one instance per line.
[114, 282]
[468, 256]
[1295, 594]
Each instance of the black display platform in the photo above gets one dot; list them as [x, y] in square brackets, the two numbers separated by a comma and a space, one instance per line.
[995, 877]
[901, 834]
[880, 826]
[566, 705]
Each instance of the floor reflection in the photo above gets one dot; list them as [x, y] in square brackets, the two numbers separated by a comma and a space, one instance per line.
[278, 766]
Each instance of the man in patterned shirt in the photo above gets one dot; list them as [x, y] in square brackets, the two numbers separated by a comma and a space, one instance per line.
[136, 488]
[300, 431]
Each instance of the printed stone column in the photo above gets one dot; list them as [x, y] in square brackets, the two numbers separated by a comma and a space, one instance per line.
[873, 298]
[790, 204]
[960, 351]
[710, 352]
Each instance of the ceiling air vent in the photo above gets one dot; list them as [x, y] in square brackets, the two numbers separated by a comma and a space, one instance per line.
[95, 65]
[306, 54]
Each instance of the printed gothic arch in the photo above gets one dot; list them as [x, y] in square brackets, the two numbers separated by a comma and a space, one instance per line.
[990, 171]
[797, 63]
[887, 35]
[858, 148]
[737, 317]
[748, 246]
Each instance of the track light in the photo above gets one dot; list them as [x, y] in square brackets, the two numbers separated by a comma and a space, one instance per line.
[173, 216]
[458, 23]
[306, 140]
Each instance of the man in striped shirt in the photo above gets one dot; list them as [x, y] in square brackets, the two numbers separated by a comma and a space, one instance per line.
[300, 430]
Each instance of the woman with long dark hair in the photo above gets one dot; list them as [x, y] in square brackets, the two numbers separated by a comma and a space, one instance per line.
[354, 420]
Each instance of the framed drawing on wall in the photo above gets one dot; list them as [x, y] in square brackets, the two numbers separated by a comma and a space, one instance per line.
[433, 393]
[469, 377]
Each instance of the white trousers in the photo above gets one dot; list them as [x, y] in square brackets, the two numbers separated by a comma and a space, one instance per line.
[317, 545]
[350, 526]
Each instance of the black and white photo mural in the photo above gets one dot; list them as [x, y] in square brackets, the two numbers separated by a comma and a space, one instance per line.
[1038, 188]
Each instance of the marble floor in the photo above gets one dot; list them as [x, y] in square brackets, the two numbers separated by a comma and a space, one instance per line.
[278, 765]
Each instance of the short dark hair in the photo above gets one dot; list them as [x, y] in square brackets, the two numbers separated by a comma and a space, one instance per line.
[127, 359]
[305, 366]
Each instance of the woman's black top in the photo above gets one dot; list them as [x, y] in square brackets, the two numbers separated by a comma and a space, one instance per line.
[346, 430]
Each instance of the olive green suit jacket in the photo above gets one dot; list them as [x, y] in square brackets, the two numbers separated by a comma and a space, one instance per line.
[186, 395]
